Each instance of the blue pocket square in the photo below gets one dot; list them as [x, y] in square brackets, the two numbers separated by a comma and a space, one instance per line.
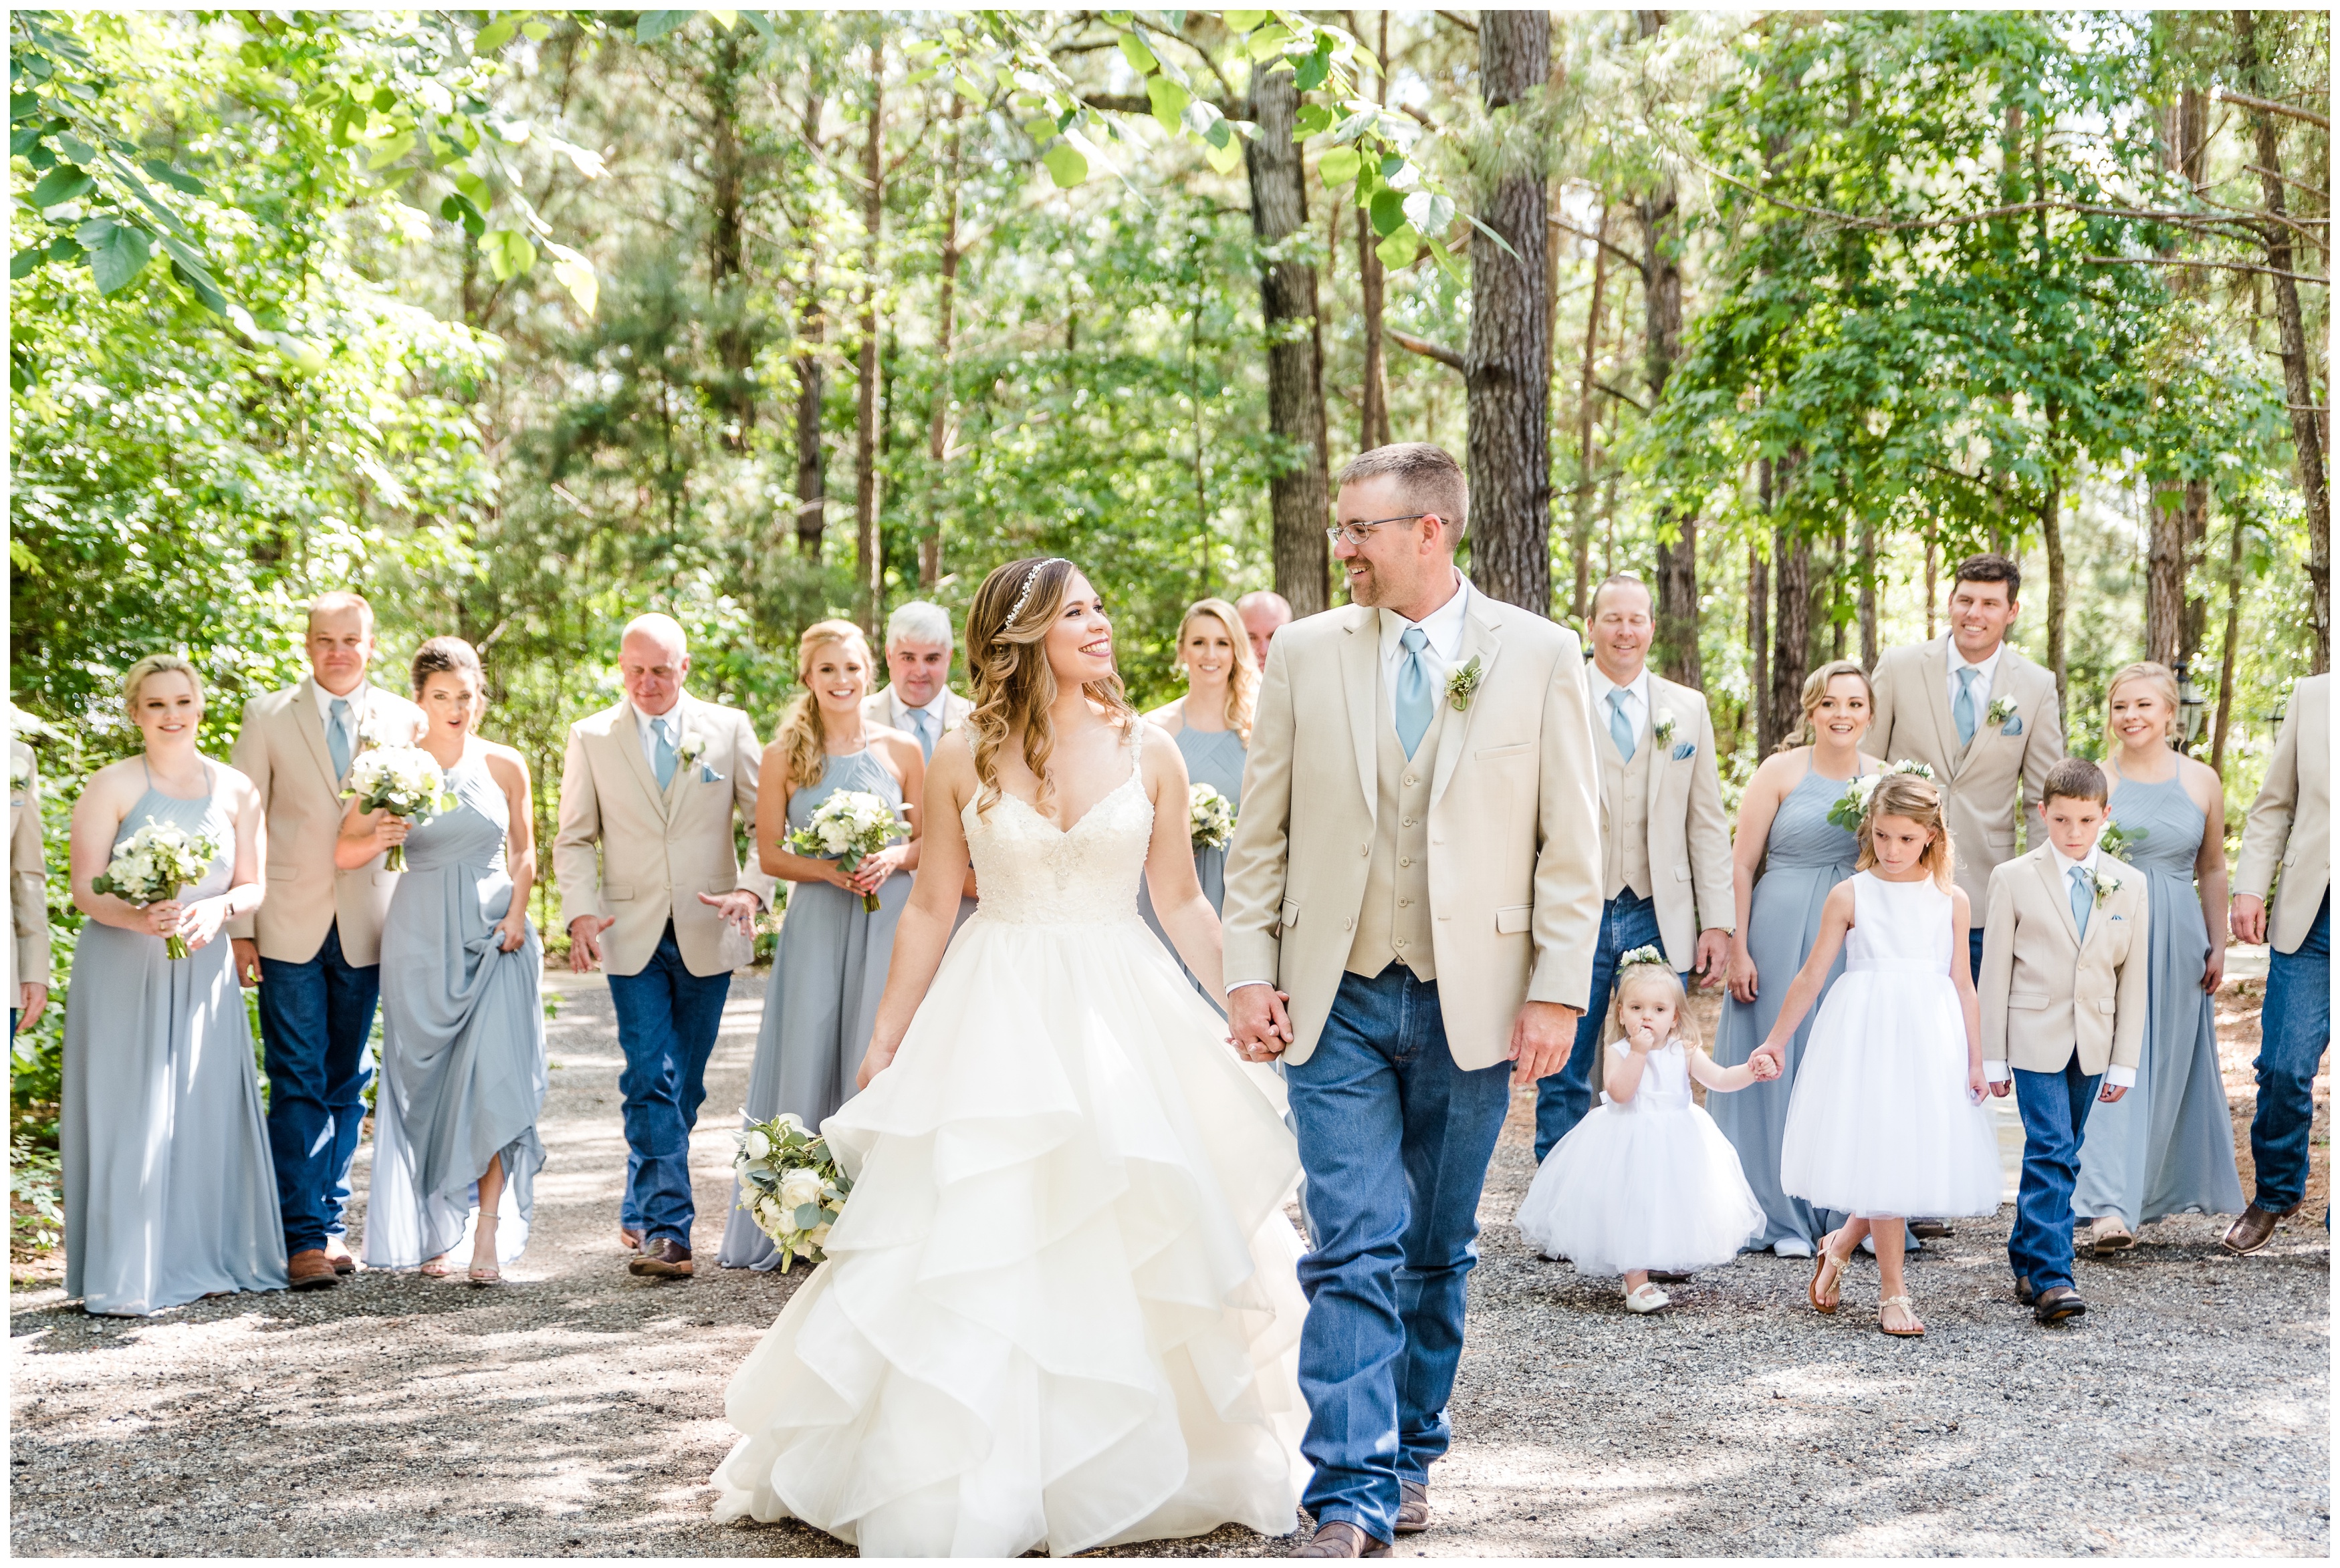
[2013, 727]
[709, 775]
[1685, 750]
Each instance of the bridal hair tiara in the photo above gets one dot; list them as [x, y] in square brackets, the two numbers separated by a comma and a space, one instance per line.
[1024, 595]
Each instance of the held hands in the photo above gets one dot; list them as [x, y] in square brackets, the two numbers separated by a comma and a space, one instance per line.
[1257, 1025]
[585, 940]
[247, 960]
[2002, 1089]
[1542, 1038]
[1770, 1060]
[2111, 1093]
[1978, 1086]
[737, 908]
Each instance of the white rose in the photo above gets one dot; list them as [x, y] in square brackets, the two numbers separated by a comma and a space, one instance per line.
[755, 1145]
[798, 1188]
[819, 1234]
[790, 1122]
[771, 1215]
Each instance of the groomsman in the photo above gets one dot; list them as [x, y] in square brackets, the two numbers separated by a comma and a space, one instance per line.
[1971, 708]
[27, 981]
[314, 948]
[2287, 844]
[918, 699]
[1665, 843]
[1265, 613]
[651, 888]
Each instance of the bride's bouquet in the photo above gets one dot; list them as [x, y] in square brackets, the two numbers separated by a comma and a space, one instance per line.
[847, 827]
[791, 1186]
[403, 781]
[151, 867]
[1210, 817]
[1852, 805]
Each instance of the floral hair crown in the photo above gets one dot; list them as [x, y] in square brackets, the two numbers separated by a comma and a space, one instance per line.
[1024, 594]
[1641, 955]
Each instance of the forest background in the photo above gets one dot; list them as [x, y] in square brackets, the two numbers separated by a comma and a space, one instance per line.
[524, 322]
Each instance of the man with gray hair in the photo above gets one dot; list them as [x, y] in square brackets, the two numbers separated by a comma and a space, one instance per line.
[1265, 613]
[917, 698]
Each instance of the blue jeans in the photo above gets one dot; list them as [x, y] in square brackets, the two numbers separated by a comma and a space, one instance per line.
[1974, 953]
[1627, 921]
[2055, 1107]
[2295, 1028]
[315, 1019]
[668, 1019]
[1394, 1140]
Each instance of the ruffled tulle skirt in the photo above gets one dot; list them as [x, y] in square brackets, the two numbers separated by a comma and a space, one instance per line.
[1060, 1309]
[1653, 1187]
[1881, 1123]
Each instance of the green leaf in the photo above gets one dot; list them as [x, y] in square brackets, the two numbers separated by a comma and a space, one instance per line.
[1388, 212]
[1313, 119]
[117, 262]
[726, 20]
[22, 263]
[23, 106]
[1431, 211]
[1169, 100]
[539, 31]
[1134, 50]
[62, 184]
[24, 141]
[1242, 22]
[392, 150]
[1223, 158]
[495, 35]
[508, 254]
[1314, 70]
[657, 24]
[763, 25]
[199, 281]
[1399, 250]
[65, 248]
[1065, 165]
[1338, 167]
[1269, 41]
[76, 149]
[807, 1215]
[174, 178]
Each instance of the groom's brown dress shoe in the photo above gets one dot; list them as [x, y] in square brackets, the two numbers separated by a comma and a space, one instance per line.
[2252, 1229]
[663, 1258]
[310, 1269]
[1413, 1508]
[1341, 1539]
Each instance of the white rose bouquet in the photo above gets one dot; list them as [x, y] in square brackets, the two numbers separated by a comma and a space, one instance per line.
[153, 864]
[847, 827]
[403, 781]
[1210, 817]
[1852, 805]
[791, 1186]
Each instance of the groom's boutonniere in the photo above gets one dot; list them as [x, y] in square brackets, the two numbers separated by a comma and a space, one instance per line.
[1663, 728]
[693, 753]
[2000, 716]
[1463, 684]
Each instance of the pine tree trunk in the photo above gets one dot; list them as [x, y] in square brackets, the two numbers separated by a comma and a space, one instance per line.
[1868, 593]
[1374, 419]
[1759, 643]
[870, 562]
[2226, 654]
[1791, 621]
[1661, 295]
[812, 389]
[735, 348]
[1299, 499]
[939, 424]
[2051, 536]
[2165, 573]
[1579, 600]
[1507, 364]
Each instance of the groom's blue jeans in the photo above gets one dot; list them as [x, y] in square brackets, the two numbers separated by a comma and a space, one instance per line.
[2295, 1029]
[1394, 1140]
[668, 1019]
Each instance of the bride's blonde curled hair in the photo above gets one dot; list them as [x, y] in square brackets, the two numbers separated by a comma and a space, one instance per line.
[803, 740]
[1008, 668]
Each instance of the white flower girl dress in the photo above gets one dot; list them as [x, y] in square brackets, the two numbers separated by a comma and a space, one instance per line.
[1060, 1309]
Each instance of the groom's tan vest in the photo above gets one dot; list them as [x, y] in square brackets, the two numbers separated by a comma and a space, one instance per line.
[1625, 801]
[1393, 923]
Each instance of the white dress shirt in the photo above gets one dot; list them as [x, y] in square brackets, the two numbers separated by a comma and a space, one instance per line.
[1637, 700]
[1443, 626]
[934, 718]
[355, 697]
[2117, 1075]
[1985, 669]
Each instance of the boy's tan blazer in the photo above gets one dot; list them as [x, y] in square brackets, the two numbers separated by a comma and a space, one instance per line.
[281, 748]
[2290, 824]
[1515, 824]
[2045, 991]
[1689, 835]
[1985, 781]
[629, 850]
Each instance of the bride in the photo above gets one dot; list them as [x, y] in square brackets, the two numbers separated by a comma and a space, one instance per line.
[1059, 1310]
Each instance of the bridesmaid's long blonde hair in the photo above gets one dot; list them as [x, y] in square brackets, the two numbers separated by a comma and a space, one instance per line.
[803, 740]
[1243, 680]
[1008, 668]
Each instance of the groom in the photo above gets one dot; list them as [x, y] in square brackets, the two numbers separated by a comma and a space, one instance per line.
[1416, 872]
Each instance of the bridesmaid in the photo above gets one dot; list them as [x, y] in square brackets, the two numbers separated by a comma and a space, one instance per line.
[462, 1054]
[1783, 828]
[2168, 1145]
[170, 1192]
[831, 967]
[1212, 724]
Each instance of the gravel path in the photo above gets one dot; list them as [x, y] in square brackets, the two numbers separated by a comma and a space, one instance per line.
[577, 1412]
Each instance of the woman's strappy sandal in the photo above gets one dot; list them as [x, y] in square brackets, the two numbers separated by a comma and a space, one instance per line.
[485, 1273]
[1827, 1257]
[1902, 1302]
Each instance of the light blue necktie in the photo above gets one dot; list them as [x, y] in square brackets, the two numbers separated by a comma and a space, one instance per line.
[337, 737]
[1621, 728]
[1414, 708]
[2084, 898]
[923, 724]
[662, 753]
[1963, 710]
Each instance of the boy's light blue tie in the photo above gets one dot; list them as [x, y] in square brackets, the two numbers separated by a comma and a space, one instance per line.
[337, 737]
[1415, 706]
[2084, 898]
[1963, 710]
[662, 753]
[1620, 729]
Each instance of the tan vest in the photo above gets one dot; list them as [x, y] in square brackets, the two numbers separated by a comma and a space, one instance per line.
[1624, 811]
[1394, 923]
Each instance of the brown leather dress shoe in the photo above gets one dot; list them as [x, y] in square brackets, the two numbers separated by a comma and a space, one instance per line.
[338, 1252]
[1413, 1508]
[1928, 1229]
[2253, 1230]
[310, 1269]
[662, 1258]
[1341, 1539]
[2056, 1303]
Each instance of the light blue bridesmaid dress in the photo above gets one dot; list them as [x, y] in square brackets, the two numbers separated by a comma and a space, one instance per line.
[1214, 757]
[462, 1070]
[2168, 1145]
[821, 1005]
[170, 1192]
[1806, 856]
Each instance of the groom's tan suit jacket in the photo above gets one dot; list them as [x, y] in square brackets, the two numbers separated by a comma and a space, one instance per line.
[628, 850]
[280, 747]
[1512, 833]
[2287, 838]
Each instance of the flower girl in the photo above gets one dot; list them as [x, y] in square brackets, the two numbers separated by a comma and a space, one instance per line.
[1887, 1119]
[1647, 1181]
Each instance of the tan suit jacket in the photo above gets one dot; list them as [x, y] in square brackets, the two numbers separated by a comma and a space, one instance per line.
[2288, 834]
[27, 956]
[1689, 835]
[883, 707]
[281, 748]
[627, 849]
[1515, 826]
[1985, 782]
[2045, 992]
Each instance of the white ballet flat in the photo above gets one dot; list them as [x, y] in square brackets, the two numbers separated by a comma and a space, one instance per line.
[1648, 1298]
[1792, 1247]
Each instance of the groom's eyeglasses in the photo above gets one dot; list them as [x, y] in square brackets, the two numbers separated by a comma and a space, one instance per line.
[1358, 533]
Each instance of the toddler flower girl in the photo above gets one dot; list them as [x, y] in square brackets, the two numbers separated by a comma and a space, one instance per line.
[1887, 1118]
[1647, 1181]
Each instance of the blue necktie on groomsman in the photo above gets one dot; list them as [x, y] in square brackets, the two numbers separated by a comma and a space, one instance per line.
[1414, 708]
[1621, 728]
[1963, 710]
[922, 724]
[337, 738]
[662, 751]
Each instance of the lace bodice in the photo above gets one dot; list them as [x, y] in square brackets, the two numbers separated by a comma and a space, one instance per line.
[1898, 926]
[1032, 872]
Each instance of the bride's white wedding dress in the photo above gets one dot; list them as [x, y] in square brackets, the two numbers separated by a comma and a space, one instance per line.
[1060, 1309]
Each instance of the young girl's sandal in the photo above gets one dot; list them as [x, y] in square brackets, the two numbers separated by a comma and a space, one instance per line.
[1828, 1259]
[1903, 1303]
